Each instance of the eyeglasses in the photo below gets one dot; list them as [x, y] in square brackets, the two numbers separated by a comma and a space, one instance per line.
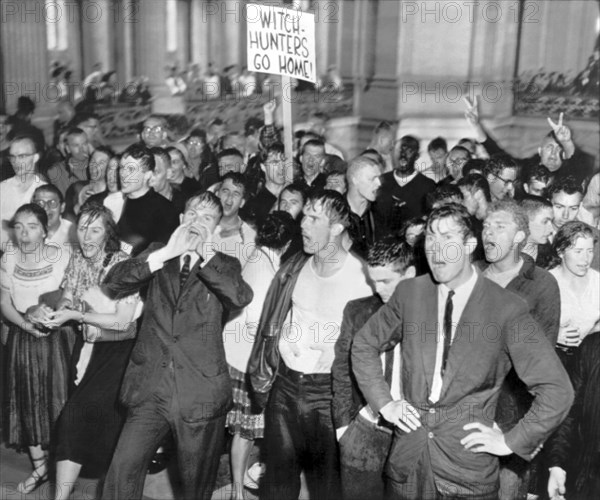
[457, 161]
[507, 182]
[152, 130]
[195, 142]
[20, 157]
[47, 203]
[274, 163]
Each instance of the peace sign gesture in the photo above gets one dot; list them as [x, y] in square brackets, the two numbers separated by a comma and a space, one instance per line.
[472, 116]
[472, 112]
[562, 132]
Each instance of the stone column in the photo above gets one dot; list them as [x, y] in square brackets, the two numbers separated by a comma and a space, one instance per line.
[150, 43]
[98, 34]
[24, 55]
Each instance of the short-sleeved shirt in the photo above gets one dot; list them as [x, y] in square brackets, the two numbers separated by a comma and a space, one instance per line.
[26, 285]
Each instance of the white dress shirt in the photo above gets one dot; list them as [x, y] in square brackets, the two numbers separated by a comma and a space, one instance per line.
[459, 301]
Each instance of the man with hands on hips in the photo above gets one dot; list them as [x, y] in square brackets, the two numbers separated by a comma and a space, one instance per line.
[460, 334]
[177, 379]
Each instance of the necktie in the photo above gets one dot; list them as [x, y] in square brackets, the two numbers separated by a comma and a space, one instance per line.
[185, 271]
[389, 367]
[447, 330]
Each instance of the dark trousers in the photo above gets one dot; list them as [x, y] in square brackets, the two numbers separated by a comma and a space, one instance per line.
[364, 449]
[299, 435]
[199, 445]
[514, 478]
[421, 485]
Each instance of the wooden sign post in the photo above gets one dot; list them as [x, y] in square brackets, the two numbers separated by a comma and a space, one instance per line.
[282, 42]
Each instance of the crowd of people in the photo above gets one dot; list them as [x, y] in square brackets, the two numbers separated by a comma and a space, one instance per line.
[240, 82]
[377, 330]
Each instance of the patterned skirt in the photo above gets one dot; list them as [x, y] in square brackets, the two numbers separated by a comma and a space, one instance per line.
[241, 420]
[37, 382]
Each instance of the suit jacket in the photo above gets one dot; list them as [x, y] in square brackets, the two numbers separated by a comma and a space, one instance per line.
[347, 398]
[181, 330]
[494, 333]
[540, 290]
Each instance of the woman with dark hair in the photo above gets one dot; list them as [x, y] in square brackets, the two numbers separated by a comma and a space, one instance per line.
[72, 204]
[90, 423]
[112, 198]
[272, 240]
[37, 359]
[579, 286]
[98, 166]
[178, 174]
[201, 162]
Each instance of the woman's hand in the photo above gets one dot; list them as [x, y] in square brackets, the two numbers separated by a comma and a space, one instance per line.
[32, 330]
[58, 318]
[91, 333]
[568, 335]
[64, 304]
[39, 314]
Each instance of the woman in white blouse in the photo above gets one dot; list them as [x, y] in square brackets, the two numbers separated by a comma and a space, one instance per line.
[579, 285]
[272, 240]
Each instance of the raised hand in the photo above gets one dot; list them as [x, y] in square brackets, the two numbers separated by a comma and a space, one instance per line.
[472, 116]
[472, 112]
[485, 440]
[561, 131]
[182, 240]
[269, 107]
[402, 414]
[269, 111]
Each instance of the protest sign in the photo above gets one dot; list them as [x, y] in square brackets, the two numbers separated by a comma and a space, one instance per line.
[281, 41]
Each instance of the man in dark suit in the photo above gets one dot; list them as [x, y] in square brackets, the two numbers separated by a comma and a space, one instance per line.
[177, 378]
[364, 444]
[460, 334]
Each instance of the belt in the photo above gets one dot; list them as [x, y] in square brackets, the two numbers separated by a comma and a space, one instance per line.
[316, 378]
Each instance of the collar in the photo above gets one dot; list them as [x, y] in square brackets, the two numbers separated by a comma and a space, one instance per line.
[403, 181]
[465, 288]
[527, 269]
[194, 257]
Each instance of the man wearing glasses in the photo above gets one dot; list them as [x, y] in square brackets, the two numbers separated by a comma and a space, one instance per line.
[61, 232]
[19, 189]
[501, 174]
[557, 151]
[154, 132]
[456, 159]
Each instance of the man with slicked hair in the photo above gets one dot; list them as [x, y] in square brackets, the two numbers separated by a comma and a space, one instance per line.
[301, 321]
[445, 441]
